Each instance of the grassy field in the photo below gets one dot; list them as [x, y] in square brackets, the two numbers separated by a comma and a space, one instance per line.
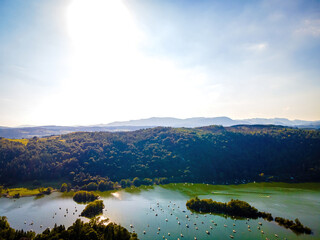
[22, 191]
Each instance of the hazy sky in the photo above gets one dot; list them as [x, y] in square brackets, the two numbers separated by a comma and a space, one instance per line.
[96, 61]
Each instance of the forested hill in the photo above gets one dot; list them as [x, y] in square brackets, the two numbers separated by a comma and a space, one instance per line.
[214, 153]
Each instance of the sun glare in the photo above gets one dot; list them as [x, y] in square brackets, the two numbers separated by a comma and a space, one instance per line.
[102, 33]
[111, 77]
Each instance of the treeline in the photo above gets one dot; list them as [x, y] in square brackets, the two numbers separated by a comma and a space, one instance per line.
[84, 196]
[93, 230]
[208, 154]
[101, 184]
[93, 209]
[243, 209]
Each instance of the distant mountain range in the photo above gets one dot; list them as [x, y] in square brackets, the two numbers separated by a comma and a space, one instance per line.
[224, 121]
[40, 131]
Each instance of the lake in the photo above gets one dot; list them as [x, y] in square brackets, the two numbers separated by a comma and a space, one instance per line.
[150, 208]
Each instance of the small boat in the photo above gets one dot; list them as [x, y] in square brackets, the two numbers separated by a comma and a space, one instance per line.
[260, 223]
[234, 231]
[207, 232]
[168, 234]
[158, 228]
[249, 229]
[276, 235]
[211, 227]
[196, 228]
[262, 232]
[231, 236]
[166, 219]
[144, 232]
[225, 225]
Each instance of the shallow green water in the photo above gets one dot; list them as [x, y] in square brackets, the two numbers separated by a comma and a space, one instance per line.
[139, 207]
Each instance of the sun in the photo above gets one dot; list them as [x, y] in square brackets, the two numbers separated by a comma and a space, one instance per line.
[101, 31]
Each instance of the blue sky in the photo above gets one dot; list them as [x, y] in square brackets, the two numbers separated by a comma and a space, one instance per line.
[88, 62]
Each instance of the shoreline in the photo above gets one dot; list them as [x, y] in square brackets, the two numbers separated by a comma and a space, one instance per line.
[263, 185]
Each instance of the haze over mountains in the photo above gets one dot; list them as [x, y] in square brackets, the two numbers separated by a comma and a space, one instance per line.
[39, 131]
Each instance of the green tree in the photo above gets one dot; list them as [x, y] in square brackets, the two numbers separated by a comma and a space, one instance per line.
[136, 182]
[92, 186]
[64, 187]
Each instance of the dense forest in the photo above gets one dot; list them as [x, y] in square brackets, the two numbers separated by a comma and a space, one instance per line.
[93, 230]
[208, 154]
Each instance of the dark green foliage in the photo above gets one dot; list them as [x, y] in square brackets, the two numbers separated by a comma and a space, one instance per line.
[36, 183]
[136, 182]
[234, 207]
[93, 230]
[242, 209]
[125, 183]
[84, 196]
[48, 190]
[8, 233]
[147, 181]
[179, 154]
[266, 216]
[93, 209]
[295, 225]
[16, 195]
[64, 187]
[92, 186]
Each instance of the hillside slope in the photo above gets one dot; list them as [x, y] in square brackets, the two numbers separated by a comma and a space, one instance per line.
[202, 154]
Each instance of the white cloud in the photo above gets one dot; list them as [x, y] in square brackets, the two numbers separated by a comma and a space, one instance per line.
[309, 27]
[257, 47]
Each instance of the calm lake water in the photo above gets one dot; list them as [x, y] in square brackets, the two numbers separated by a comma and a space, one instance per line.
[150, 208]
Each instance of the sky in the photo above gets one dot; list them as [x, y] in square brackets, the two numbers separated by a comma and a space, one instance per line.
[85, 62]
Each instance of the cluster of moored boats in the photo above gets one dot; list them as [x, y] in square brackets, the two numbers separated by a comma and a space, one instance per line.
[54, 215]
[175, 208]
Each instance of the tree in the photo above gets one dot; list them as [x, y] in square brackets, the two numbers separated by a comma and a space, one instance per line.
[64, 187]
[92, 186]
[136, 182]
